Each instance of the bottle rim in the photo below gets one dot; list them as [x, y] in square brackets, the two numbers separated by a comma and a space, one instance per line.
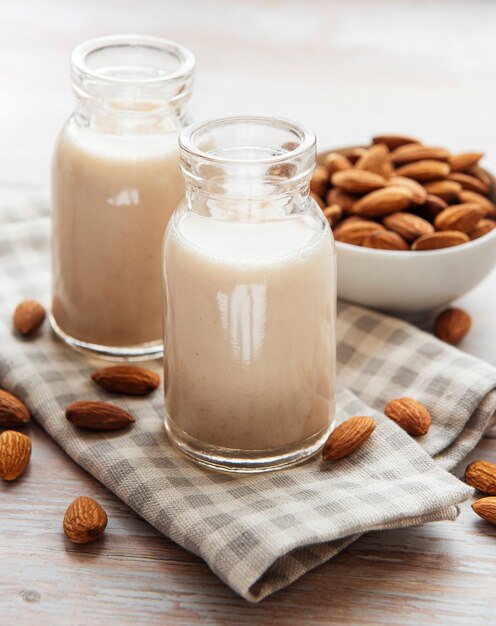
[305, 140]
[80, 55]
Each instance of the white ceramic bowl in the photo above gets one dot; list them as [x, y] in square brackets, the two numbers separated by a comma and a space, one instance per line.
[412, 284]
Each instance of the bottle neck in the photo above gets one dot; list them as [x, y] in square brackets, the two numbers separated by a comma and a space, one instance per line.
[250, 200]
[247, 168]
[138, 118]
[131, 84]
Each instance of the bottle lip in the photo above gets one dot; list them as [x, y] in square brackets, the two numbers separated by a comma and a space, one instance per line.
[81, 53]
[304, 134]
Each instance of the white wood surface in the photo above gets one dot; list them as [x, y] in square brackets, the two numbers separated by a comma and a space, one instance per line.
[349, 69]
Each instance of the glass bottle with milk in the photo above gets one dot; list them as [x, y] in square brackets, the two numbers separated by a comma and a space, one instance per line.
[249, 299]
[115, 183]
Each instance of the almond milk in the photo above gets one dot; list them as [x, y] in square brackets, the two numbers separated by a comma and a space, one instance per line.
[249, 330]
[115, 183]
[112, 198]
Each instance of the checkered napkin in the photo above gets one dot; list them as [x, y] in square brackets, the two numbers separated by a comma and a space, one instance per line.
[260, 533]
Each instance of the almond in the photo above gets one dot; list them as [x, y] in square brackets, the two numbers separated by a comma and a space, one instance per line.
[448, 190]
[348, 437]
[320, 181]
[15, 452]
[351, 219]
[411, 415]
[395, 141]
[340, 197]
[432, 207]
[452, 325]
[333, 214]
[336, 162]
[127, 379]
[318, 200]
[424, 170]
[376, 159]
[358, 181]
[383, 201]
[481, 228]
[13, 412]
[482, 175]
[437, 240]
[473, 196]
[470, 183]
[356, 231]
[460, 162]
[28, 317]
[407, 225]
[411, 153]
[462, 217]
[482, 476]
[384, 240]
[486, 508]
[85, 520]
[353, 154]
[419, 194]
[97, 415]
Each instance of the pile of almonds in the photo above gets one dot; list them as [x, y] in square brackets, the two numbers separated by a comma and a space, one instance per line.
[399, 194]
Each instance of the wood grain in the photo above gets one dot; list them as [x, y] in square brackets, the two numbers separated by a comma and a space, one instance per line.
[330, 65]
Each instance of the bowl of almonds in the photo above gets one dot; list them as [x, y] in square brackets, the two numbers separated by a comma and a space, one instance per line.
[414, 224]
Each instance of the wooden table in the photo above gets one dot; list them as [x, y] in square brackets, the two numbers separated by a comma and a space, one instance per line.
[348, 69]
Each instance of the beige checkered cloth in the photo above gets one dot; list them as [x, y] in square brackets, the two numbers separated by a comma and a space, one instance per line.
[258, 533]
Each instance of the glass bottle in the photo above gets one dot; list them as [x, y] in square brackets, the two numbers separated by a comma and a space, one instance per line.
[249, 299]
[115, 183]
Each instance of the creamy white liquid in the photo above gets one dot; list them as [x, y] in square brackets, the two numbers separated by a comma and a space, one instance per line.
[249, 332]
[112, 198]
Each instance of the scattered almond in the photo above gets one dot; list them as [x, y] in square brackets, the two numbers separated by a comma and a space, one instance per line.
[85, 520]
[383, 201]
[452, 325]
[348, 437]
[462, 217]
[15, 452]
[411, 415]
[486, 508]
[424, 170]
[394, 141]
[127, 379]
[28, 317]
[358, 181]
[407, 225]
[384, 240]
[461, 162]
[482, 476]
[98, 415]
[13, 412]
[437, 240]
